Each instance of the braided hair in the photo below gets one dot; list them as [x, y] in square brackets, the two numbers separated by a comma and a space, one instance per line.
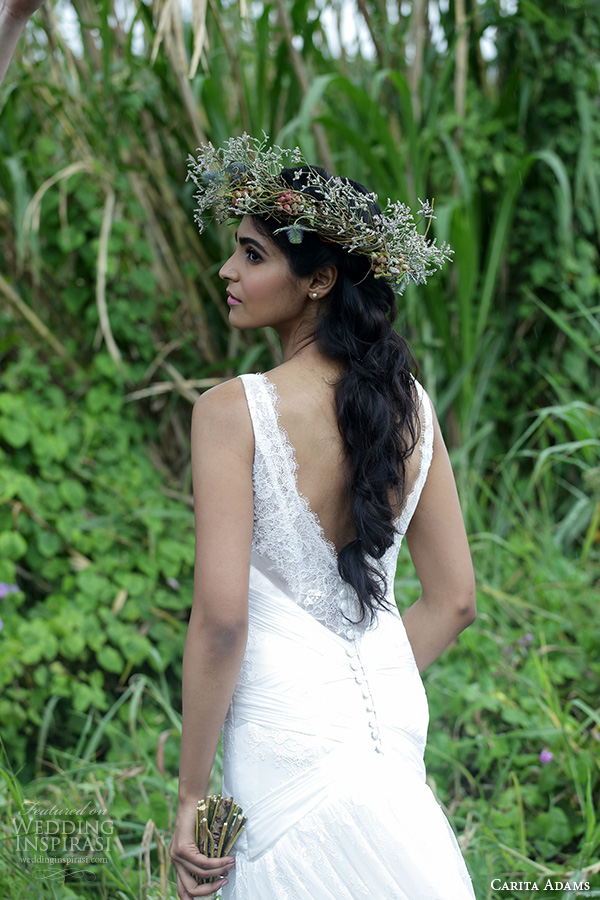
[376, 400]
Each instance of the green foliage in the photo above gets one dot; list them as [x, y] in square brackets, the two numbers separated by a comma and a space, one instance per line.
[133, 796]
[522, 682]
[87, 530]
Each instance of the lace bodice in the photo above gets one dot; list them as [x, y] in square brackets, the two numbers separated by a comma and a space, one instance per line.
[288, 540]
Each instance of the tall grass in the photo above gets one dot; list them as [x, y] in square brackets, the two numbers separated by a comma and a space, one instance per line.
[132, 792]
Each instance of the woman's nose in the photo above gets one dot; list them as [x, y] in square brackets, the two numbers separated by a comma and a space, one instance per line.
[227, 270]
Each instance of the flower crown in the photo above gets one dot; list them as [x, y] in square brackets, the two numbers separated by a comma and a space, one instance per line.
[243, 177]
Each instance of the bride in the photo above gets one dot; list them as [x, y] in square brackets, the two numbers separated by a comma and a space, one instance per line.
[306, 479]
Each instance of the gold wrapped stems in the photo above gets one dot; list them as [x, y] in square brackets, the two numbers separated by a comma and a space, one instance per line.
[219, 823]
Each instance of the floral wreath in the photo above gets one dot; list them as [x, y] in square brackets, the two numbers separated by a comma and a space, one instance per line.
[243, 177]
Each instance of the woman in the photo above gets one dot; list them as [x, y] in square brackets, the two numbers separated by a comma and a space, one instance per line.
[305, 480]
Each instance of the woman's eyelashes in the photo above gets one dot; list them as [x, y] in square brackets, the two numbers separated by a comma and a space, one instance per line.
[249, 253]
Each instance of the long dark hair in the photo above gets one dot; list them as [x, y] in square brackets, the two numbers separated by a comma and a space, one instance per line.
[376, 400]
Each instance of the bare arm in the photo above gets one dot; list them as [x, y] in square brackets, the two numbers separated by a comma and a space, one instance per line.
[439, 549]
[222, 452]
[13, 19]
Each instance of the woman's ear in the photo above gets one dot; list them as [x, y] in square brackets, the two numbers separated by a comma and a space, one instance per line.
[322, 281]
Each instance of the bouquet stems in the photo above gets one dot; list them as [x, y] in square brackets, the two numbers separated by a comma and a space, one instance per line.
[219, 823]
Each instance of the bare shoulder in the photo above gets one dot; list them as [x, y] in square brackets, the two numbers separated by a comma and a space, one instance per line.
[222, 412]
[225, 399]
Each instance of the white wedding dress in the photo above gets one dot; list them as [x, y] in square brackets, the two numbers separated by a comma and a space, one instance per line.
[324, 738]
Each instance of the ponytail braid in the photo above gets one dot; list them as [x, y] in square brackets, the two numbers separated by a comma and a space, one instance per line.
[376, 400]
[377, 416]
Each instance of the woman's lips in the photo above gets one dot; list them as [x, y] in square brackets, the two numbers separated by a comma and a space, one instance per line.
[233, 301]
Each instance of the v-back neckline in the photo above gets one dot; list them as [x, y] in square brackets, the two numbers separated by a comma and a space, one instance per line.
[290, 454]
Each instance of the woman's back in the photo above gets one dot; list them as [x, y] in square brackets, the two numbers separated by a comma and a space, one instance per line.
[307, 413]
[301, 502]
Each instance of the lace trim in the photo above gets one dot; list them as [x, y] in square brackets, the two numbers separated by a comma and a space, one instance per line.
[285, 535]
[291, 751]
[290, 454]
[402, 521]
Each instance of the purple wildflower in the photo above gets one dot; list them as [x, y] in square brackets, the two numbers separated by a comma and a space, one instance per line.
[525, 640]
[173, 583]
[8, 589]
[546, 757]
[1, 624]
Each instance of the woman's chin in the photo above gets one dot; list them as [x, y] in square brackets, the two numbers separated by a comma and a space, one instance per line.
[239, 321]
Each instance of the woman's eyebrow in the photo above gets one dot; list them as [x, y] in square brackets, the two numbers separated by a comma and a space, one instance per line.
[244, 241]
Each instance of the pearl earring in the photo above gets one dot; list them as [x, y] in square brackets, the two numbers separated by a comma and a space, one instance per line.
[315, 295]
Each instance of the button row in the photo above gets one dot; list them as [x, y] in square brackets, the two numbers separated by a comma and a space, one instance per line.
[361, 680]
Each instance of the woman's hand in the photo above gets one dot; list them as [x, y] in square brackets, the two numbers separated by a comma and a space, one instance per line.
[188, 860]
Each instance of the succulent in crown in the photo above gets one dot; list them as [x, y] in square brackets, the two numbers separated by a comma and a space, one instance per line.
[244, 177]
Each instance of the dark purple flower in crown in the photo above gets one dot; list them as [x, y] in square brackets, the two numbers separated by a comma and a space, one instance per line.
[236, 172]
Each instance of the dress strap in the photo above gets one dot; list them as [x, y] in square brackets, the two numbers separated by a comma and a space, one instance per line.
[261, 396]
[252, 388]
